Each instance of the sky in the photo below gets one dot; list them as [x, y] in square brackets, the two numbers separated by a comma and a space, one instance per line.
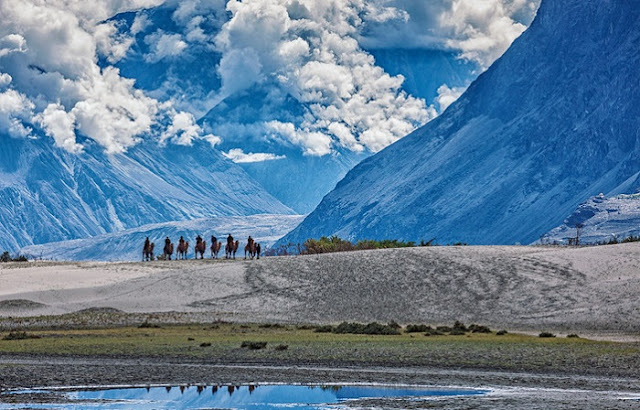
[62, 63]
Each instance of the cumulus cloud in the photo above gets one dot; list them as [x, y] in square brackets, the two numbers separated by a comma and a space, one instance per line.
[164, 45]
[479, 30]
[309, 50]
[447, 96]
[50, 54]
[238, 156]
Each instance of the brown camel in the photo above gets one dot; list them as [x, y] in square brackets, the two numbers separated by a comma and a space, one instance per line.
[183, 250]
[230, 249]
[200, 248]
[250, 248]
[147, 252]
[215, 249]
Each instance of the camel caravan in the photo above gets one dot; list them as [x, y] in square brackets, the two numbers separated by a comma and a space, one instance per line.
[251, 250]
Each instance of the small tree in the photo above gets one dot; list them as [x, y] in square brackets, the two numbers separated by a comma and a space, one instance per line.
[5, 257]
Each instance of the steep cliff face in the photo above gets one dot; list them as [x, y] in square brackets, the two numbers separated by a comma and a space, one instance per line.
[47, 194]
[554, 121]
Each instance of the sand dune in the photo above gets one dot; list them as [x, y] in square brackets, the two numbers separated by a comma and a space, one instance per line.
[530, 288]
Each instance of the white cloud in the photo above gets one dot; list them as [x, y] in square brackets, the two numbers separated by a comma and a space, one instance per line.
[163, 45]
[15, 109]
[60, 125]
[184, 130]
[447, 96]
[309, 51]
[479, 30]
[56, 83]
[5, 80]
[238, 156]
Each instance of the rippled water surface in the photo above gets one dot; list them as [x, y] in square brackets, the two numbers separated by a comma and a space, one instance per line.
[237, 397]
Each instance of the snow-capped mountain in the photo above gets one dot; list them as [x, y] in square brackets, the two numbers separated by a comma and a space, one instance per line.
[127, 245]
[599, 219]
[48, 194]
[553, 122]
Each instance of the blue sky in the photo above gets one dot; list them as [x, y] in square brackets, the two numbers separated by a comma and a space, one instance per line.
[63, 64]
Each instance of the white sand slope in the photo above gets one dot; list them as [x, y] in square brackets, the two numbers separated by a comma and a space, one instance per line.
[584, 290]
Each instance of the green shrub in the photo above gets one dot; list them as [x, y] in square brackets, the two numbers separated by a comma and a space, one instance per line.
[457, 332]
[147, 325]
[459, 326]
[444, 329]
[205, 344]
[417, 328]
[433, 332]
[501, 333]
[281, 348]
[573, 336]
[324, 329]
[479, 329]
[253, 345]
[20, 336]
[5, 257]
[546, 334]
[373, 328]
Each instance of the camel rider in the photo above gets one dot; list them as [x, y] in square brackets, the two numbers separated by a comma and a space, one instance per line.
[181, 242]
[230, 240]
[146, 243]
[167, 241]
[250, 240]
[198, 239]
[213, 239]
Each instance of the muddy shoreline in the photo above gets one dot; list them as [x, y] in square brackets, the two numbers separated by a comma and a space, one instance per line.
[508, 389]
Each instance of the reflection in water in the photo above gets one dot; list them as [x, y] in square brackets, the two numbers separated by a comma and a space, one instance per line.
[251, 397]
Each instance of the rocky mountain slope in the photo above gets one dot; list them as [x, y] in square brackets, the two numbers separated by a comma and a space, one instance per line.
[550, 124]
[48, 195]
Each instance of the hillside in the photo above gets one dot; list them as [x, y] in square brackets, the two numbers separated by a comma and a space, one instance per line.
[585, 290]
[49, 195]
[550, 124]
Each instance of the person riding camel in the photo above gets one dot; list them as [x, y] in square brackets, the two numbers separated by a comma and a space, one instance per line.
[213, 239]
[146, 243]
[198, 239]
[250, 240]
[167, 241]
[181, 242]
[230, 240]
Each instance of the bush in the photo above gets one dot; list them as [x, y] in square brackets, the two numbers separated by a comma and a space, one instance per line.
[417, 328]
[147, 325]
[546, 334]
[501, 333]
[20, 336]
[281, 348]
[253, 345]
[373, 328]
[573, 336]
[324, 329]
[479, 329]
[20, 258]
[457, 332]
[459, 326]
[444, 329]
[205, 344]
[433, 332]
[5, 257]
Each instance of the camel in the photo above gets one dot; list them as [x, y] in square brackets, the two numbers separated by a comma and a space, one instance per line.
[215, 249]
[230, 249]
[183, 250]
[200, 248]
[250, 248]
[168, 251]
[147, 252]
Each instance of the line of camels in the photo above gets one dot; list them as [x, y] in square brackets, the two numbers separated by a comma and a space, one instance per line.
[251, 250]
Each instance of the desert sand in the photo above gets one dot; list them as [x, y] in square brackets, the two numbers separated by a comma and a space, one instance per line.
[589, 290]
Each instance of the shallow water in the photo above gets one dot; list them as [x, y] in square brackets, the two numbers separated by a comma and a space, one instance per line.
[238, 397]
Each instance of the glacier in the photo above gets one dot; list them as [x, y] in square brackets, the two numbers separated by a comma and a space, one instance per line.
[551, 123]
[126, 245]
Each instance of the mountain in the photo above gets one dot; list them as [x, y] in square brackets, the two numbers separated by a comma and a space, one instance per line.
[48, 194]
[553, 122]
[127, 245]
[600, 219]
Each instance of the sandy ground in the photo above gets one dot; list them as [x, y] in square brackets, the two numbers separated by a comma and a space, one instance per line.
[586, 290]
[590, 291]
